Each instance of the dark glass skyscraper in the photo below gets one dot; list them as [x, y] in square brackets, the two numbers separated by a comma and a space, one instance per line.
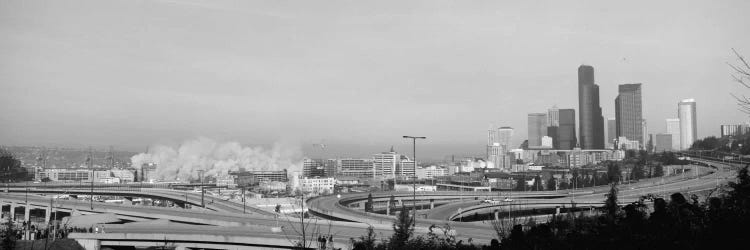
[629, 113]
[566, 132]
[591, 121]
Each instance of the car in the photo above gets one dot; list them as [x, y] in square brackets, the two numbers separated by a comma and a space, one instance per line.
[507, 199]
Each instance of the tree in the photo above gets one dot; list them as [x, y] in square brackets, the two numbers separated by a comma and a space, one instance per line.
[658, 171]
[613, 172]
[365, 242]
[637, 173]
[552, 183]
[391, 184]
[538, 184]
[368, 204]
[742, 76]
[10, 168]
[402, 229]
[564, 185]
[521, 184]
[610, 204]
[9, 240]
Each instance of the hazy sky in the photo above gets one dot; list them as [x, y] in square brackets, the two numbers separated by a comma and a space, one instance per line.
[357, 75]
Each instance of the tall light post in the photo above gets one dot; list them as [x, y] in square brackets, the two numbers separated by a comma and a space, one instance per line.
[200, 175]
[414, 183]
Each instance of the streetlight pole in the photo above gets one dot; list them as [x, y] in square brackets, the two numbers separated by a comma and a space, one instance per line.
[414, 183]
[200, 175]
[92, 189]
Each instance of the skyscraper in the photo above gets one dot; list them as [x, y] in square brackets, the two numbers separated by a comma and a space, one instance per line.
[688, 123]
[591, 122]
[611, 132]
[628, 112]
[673, 128]
[553, 117]
[566, 132]
[505, 136]
[537, 129]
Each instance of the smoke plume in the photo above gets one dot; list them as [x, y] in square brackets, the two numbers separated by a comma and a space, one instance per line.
[215, 158]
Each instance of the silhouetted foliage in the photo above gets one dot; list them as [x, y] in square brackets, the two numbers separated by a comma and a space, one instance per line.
[679, 223]
[538, 184]
[10, 168]
[552, 183]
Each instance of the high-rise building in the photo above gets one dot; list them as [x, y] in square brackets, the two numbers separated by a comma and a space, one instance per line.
[663, 142]
[505, 136]
[385, 163]
[552, 133]
[688, 123]
[611, 132]
[628, 112]
[644, 130]
[732, 130]
[591, 122]
[553, 117]
[673, 128]
[537, 129]
[566, 132]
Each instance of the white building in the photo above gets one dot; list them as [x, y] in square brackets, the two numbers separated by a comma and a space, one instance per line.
[688, 123]
[124, 175]
[385, 163]
[624, 144]
[317, 185]
[546, 142]
[431, 172]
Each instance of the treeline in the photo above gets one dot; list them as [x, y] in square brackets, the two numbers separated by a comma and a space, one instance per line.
[11, 169]
[678, 222]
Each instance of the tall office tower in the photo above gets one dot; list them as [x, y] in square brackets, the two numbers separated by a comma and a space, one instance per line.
[537, 129]
[554, 136]
[493, 145]
[673, 128]
[688, 123]
[505, 135]
[566, 132]
[385, 164]
[644, 130]
[553, 117]
[628, 112]
[611, 132]
[591, 122]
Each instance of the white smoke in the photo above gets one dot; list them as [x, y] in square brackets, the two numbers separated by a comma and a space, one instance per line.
[216, 158]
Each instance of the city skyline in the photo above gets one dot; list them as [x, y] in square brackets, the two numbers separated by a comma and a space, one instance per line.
[90, 74]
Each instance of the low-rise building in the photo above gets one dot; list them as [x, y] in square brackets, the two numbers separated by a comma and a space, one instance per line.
[317, 185]
[431, 172]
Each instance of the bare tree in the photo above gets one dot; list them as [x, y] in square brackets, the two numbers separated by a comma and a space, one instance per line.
[741, 75]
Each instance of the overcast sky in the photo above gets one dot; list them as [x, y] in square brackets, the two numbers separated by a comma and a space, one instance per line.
[356, 75]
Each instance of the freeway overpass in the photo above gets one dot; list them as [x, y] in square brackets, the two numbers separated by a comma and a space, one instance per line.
[176, 196]
[341, 208]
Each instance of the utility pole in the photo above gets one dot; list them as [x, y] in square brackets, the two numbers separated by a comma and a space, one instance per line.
[414, 184]
[90, 160]
[200, 175]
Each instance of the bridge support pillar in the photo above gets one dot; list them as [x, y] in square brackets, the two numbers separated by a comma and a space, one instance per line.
[27, 213]
[497, 214]
[388, 208]
[432, 203]
[47, 215]
[13, 211]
